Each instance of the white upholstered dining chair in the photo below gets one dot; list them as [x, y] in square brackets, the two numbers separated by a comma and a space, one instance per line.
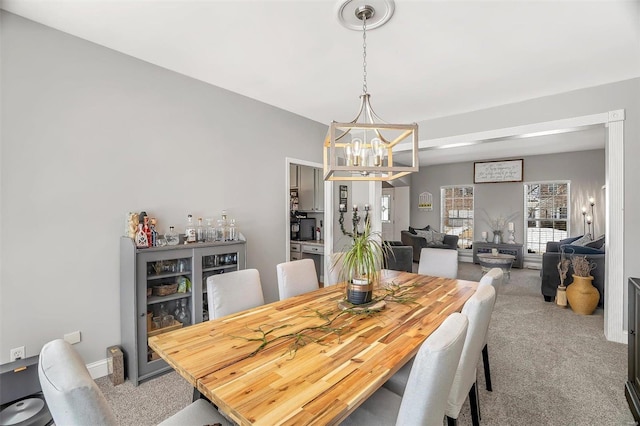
[74, 398]
[233, 292]
[438, 262]
[429, 381]
[478, 310]
[494, 278]
[296, 277]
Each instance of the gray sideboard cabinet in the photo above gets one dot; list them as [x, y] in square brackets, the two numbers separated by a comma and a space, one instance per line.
[143, 269]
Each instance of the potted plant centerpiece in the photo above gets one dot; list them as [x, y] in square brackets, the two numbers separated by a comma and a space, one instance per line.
[583, 297]
[361, 264]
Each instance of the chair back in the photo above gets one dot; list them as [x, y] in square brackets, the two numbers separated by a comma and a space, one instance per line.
[72, 396]
[494, 278]
[438, 262]
[233, 292]
[434, 367]
[478, 310]
[297, 277]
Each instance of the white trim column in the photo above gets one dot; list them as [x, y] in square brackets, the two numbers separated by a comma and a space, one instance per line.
[615, 285]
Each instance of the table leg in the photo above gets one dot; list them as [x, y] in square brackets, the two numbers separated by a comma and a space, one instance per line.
[197, 395]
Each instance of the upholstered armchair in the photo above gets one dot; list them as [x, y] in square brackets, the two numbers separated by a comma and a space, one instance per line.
[399, 256]
[550, 277]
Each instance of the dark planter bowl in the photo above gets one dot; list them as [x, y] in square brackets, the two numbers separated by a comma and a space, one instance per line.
[359, 294]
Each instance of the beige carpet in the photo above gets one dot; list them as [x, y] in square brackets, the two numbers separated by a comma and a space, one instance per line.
[549, 367]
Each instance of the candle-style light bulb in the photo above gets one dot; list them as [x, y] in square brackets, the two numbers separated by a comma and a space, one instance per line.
[356, 146]
[377, 149]
[348, 151]
[584, 211]
[592, 201]
[589, 220]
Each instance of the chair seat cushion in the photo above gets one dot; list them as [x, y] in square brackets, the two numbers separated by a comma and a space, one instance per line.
[380, 409]
[199, 413]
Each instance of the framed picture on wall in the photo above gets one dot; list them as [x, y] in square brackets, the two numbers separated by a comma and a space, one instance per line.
[497, 171]
[343, 198]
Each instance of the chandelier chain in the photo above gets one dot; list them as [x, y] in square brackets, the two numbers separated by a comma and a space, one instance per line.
[364, 54]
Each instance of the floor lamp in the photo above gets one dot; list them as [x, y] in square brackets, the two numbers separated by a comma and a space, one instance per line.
[592, 229]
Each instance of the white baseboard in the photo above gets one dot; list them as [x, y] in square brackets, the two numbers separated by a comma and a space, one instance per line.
[98, 369]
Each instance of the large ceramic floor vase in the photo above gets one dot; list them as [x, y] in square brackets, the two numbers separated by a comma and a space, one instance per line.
[583, 297]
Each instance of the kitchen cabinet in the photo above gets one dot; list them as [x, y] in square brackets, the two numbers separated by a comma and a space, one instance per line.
[293, 175]
[144, 276]
[295, 251]
[310, 189]
[315, 252]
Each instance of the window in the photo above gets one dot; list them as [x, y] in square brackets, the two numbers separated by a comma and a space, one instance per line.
[547, 213]
[456, 213]
[385, 208]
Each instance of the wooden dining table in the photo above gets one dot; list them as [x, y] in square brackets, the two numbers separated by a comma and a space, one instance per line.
[306, 360]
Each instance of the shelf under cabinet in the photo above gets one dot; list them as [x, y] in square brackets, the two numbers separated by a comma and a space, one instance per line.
[168, 275]
[219, 268]
[152, 300]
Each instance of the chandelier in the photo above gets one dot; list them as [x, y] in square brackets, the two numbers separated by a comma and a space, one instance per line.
[364, 148]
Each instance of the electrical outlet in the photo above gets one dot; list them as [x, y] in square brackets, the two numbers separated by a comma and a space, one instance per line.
[17, 353]
[73, 337]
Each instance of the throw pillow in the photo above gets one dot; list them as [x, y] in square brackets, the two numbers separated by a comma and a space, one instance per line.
[585, 239]
[597, 243]
[413, 230]
[573, 249]
[427, 235]
[438, 237]
[569, 240]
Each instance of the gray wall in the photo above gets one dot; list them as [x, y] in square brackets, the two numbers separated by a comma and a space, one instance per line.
[585, 170]
[594, 100]
[90, 134]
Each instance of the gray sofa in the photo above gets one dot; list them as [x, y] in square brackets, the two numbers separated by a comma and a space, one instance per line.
[399, 257]
[549, 273]
[411, 238]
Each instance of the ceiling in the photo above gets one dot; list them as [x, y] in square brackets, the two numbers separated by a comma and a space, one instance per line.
[432, 59]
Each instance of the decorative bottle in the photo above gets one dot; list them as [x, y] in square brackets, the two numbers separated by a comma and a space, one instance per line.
[147, 230]
[141, 238]
[233, 230]
[225, 226]
[190, 230]
[183, 316]
[171, 237]
[200, 231]
[219, 230]
[154, 232]
[210, 233]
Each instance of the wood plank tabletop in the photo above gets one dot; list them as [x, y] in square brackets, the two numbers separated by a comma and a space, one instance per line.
[321, 362]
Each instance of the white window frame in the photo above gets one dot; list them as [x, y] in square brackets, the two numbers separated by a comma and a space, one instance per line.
[525, 185]
[472, 218]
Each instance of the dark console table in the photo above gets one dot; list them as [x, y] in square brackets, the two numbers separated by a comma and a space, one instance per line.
[632, 387]
[512, 249]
